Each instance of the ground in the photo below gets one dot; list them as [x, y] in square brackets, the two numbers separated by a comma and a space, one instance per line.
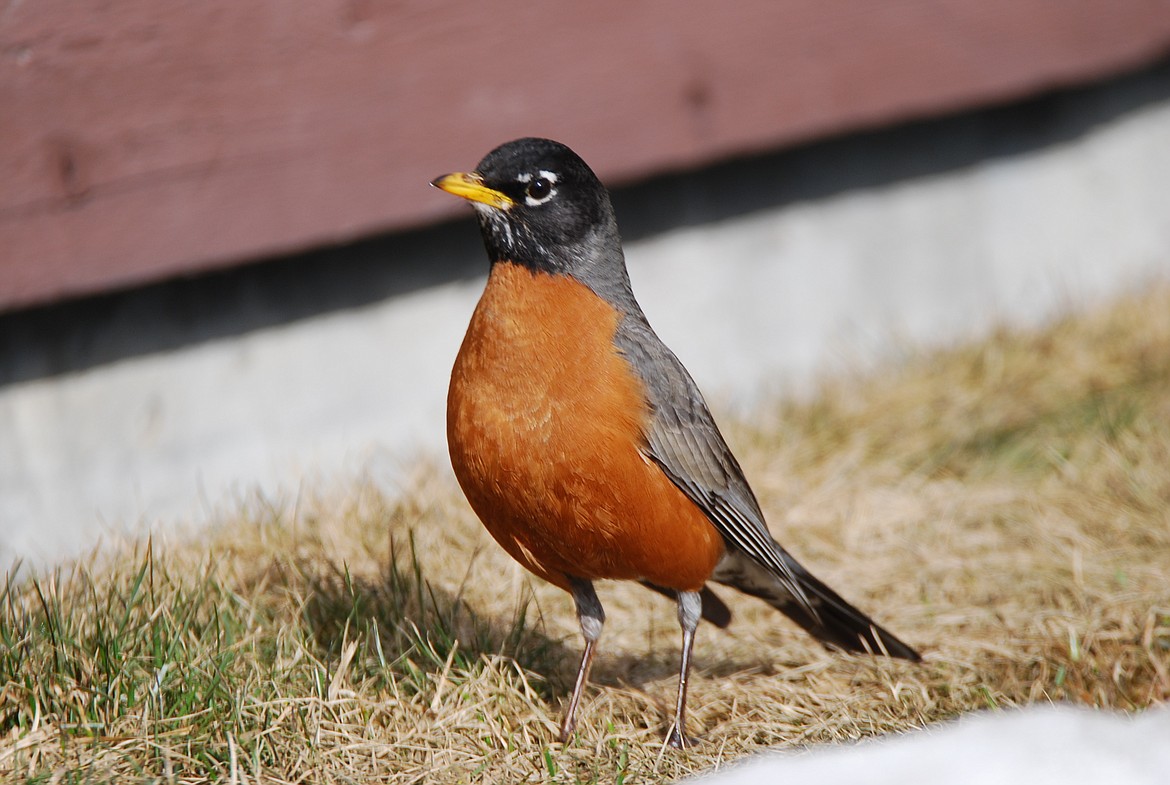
[1004, 506]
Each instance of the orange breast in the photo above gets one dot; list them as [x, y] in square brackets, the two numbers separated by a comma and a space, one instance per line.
[545, 424]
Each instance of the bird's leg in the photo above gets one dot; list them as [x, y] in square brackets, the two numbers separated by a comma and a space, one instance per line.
[591, 616]
[690, 610]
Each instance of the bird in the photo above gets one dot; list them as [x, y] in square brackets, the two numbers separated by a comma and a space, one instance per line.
[583, 444]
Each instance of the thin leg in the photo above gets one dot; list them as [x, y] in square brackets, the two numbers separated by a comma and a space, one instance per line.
[690, 610]
[591, 616]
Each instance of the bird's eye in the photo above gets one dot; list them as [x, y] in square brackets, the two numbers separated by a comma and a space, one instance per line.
[538, 189]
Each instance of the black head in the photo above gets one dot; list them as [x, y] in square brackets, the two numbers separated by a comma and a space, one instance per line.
[541, 206]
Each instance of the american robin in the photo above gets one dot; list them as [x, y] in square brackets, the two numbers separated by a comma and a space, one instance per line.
[581, 441]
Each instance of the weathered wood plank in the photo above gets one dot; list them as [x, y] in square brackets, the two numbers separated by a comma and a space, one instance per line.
[140, 140]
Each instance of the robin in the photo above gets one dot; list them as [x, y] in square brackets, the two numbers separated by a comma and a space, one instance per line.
[583, 444]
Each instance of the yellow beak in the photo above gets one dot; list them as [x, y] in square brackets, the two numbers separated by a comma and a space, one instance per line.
[469, 185]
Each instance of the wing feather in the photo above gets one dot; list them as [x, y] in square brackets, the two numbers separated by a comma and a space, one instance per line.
[684, 441]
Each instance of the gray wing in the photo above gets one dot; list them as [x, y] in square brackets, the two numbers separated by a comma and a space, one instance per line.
[684, 441]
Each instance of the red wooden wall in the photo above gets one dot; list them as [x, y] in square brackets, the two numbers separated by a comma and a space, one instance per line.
[144, 139]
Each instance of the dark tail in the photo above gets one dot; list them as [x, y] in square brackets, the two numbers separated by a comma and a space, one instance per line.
[835, 623]
[841, 624]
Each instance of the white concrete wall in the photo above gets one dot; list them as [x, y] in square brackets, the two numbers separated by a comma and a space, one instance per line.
[764, 299]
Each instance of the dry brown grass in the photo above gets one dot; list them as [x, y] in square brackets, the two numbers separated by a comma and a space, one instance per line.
[1004, 506]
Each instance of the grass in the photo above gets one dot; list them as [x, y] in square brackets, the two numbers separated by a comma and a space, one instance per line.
[1004, 506]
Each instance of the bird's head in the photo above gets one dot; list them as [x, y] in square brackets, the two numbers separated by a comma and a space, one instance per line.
[541, 206]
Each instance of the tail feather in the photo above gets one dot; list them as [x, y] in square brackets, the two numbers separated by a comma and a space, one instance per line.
[842, 624]
[832, 620]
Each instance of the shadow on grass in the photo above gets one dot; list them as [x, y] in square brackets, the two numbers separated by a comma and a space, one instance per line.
[411, 628]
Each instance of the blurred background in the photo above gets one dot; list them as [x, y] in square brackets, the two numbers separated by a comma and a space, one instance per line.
[222, 268]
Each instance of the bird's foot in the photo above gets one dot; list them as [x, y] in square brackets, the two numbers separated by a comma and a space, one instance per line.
[679, 739]
[567, 731]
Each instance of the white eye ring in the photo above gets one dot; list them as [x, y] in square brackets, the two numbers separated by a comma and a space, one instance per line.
[540, 188]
